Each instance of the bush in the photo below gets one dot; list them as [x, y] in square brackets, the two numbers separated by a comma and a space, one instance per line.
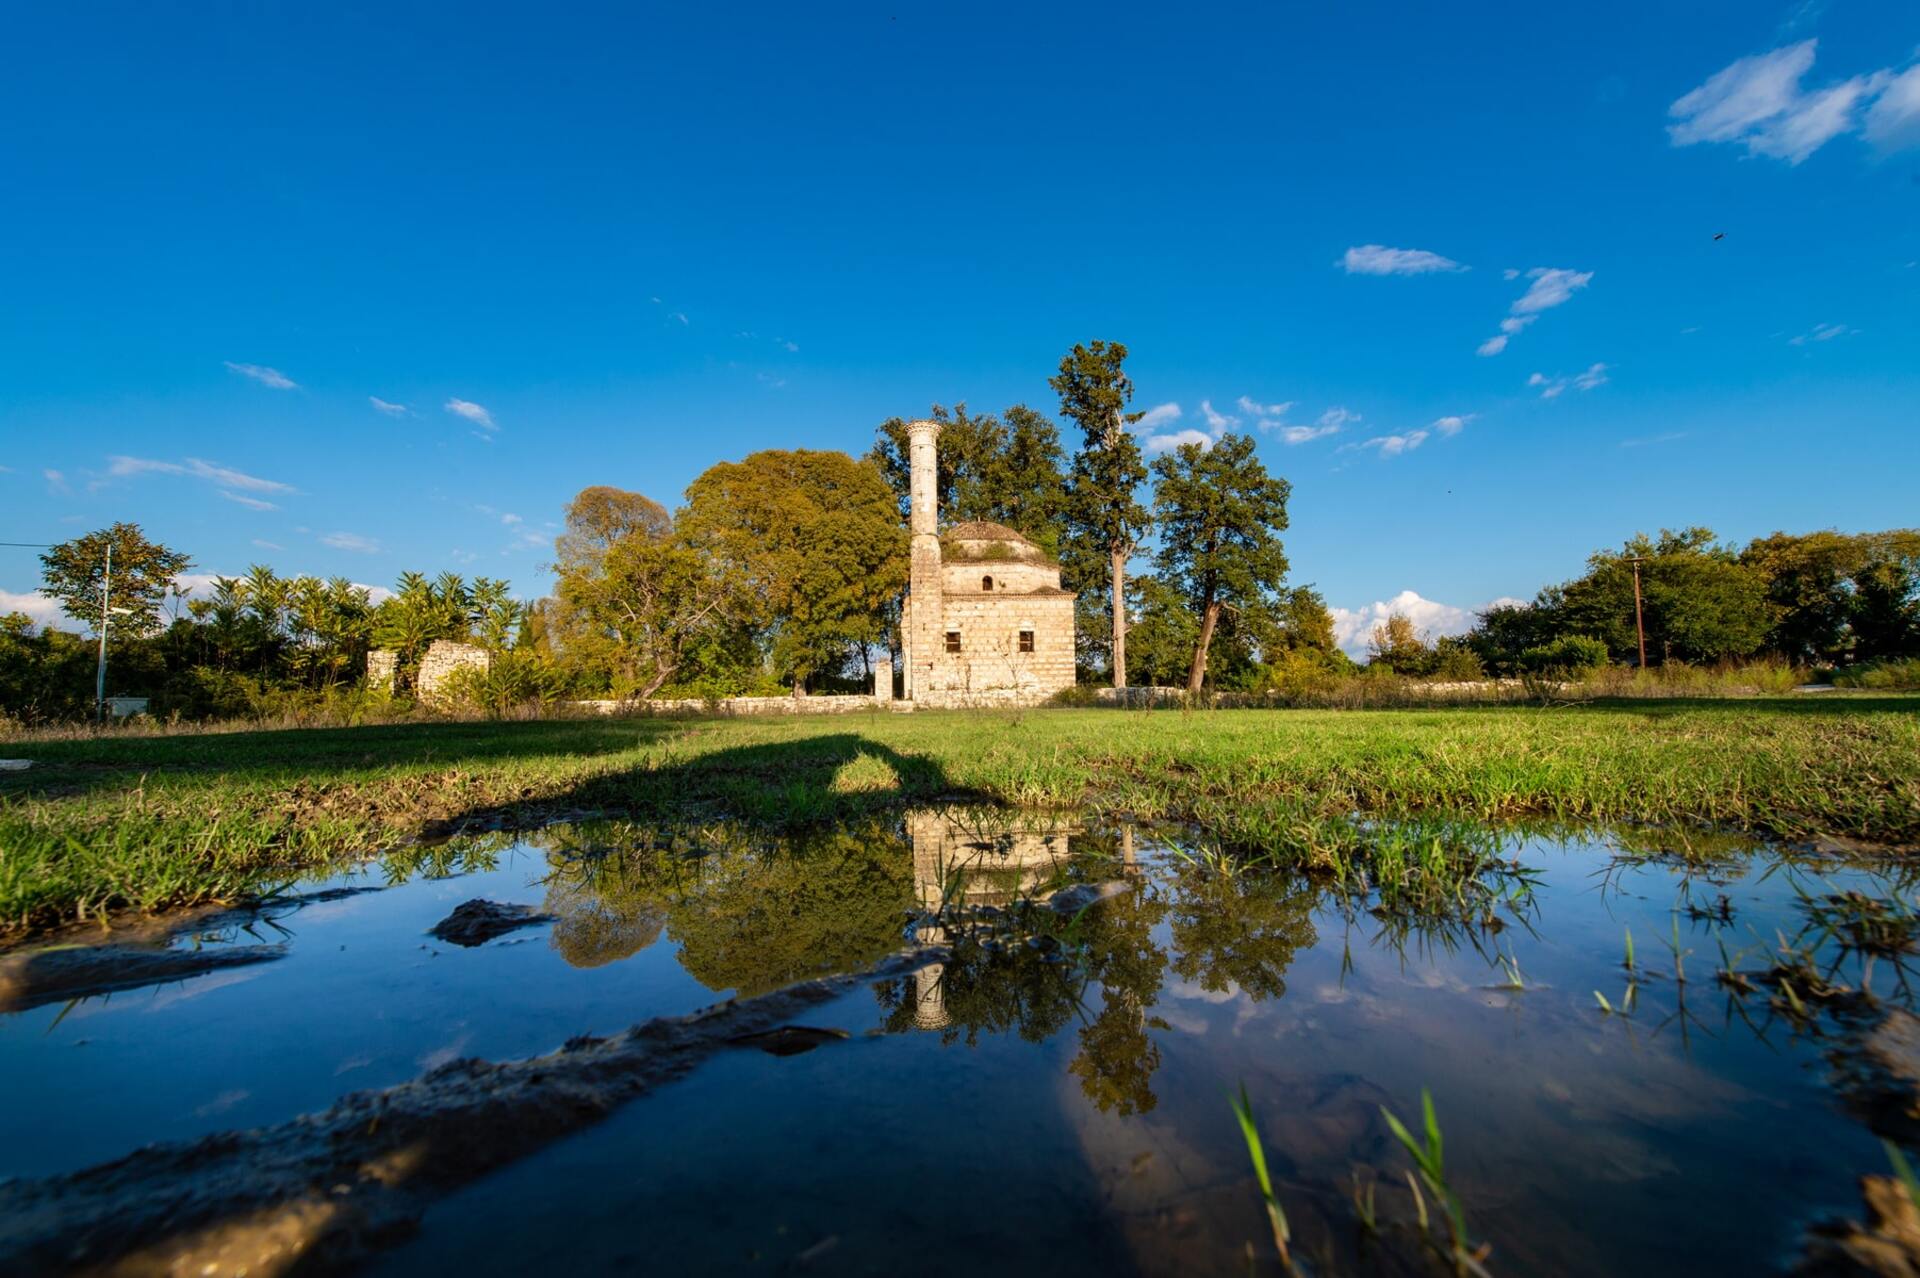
[1567, 656]
[1887, 676]
[514, 681]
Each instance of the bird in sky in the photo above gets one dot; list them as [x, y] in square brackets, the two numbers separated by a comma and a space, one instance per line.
[1719, 235]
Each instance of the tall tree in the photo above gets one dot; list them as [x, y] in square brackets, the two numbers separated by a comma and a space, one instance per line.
[1221, 515]
[1009, 472]
[814, 538]
[1104, 514]
[74, 572]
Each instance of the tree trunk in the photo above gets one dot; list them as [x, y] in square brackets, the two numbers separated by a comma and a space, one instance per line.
[661, 675]
[1209, 618]
[1119, 617]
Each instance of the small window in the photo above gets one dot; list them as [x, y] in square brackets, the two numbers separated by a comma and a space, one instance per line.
[986, 583]
[953, 641]
[1026, 641]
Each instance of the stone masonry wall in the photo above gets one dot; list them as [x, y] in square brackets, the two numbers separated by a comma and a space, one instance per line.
[443, 658]
[382, 665]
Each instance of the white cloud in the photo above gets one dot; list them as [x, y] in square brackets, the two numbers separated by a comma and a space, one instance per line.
[1555, 386]
[1394, 445]
[1551, 286]
[57, 481]
[376, 595]
[265, 376]
[1167, 443]
[1757, 102]
[1822, 333]
[678, 317]
[1352, 627]
[792, 348]
[1894, 120]
[267, 545]
[1453, 425]
[1548, 287]
[1378, 259]
[1331, 422]
[1263, 410]
[351, 541]
[391, 410]
[1510, 274]
[251, 503]
[1217, 423]
[1158, 415]
[472, 412]
[510, 520]
[44, 610]
[121, 467]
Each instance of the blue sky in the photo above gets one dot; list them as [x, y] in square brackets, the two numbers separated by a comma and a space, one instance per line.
[360, 289]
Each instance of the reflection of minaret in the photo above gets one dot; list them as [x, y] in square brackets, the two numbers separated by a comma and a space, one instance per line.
[956, 862]
[922, 640]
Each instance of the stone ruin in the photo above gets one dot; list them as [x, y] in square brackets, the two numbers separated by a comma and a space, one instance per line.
[443, 657]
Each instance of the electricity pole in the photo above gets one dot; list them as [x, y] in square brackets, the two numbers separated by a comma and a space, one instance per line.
[1639, 618]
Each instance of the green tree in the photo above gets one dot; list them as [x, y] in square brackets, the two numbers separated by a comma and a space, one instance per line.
[1302, 622]
[1220, 517]
[143, 571]
[1105, 519]
[1161, 637]
[1700, 602]
[599, 516]
[815, 542]
[1006, 472]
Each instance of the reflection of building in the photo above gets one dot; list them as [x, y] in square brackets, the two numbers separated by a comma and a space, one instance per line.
[986, 619]
[975, 858]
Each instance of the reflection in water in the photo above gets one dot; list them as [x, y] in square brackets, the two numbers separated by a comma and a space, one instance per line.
[1102, 991]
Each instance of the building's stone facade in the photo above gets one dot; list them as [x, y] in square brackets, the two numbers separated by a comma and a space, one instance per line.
[986, 620]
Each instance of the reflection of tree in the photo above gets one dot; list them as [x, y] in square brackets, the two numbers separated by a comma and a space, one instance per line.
[1117, 1057]
[1241, 930]
[1008, 985]
[749, 915]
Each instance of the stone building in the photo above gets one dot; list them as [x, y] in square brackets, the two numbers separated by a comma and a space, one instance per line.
[442, 658]
[986, 620]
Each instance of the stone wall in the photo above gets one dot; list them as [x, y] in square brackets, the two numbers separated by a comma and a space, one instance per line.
[382, 665]
[990, 658]
[443, 658]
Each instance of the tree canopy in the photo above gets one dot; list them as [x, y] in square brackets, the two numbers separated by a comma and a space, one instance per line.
[142, 575]
[1105, 520]
[813, 539]
[1220, 516]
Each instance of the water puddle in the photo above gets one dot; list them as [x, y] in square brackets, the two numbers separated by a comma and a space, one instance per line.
[1043, 1078]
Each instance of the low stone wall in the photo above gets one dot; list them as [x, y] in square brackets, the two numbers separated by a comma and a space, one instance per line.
[730, 707]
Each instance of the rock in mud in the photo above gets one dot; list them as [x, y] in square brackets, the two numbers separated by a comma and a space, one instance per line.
[476, 922]
[1078, 897]
[38, 977]
[1887, 1246]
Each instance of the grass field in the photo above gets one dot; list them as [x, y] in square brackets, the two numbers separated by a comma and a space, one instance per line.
[141, 822]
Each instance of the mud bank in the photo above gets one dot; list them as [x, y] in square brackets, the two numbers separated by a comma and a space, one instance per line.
[322, 1190]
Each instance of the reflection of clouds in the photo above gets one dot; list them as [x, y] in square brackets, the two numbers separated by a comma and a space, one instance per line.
[449, 1052]
[167, 996]
[352, 1063]
[1187, 989]
[222, 1103]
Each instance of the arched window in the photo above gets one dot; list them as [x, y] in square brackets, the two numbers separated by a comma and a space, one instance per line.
[986, 583]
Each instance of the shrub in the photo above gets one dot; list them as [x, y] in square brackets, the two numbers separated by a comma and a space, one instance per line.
[1887, 676]
[1567, 656]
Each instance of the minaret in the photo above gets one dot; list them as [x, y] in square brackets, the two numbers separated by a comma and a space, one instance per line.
[924, 642]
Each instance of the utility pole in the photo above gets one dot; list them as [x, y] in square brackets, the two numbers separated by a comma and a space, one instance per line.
[100, 674]
[1639, 618]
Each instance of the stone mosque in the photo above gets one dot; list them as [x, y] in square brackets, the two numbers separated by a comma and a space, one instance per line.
[986, 621]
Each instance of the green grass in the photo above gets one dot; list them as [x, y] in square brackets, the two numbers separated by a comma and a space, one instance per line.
[147, 821]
